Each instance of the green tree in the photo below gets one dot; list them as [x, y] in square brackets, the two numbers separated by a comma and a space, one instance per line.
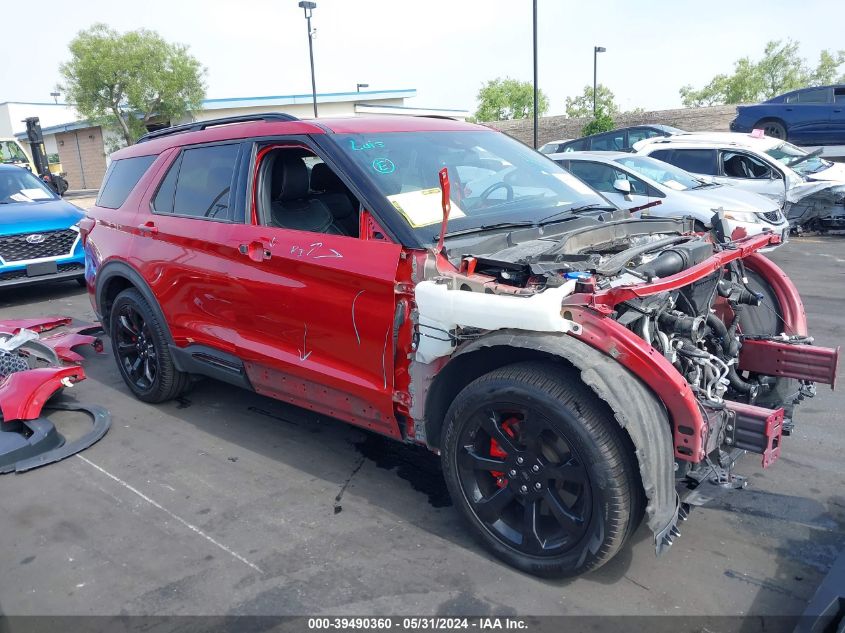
[125, 81]
[602, 122]
[501, 99]
[780, 70]
[582, 105]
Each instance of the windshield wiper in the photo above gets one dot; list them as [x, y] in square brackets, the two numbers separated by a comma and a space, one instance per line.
[801, 159]
[583, 207]
[490, 227]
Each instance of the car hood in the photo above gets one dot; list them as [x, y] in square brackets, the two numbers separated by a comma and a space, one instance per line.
[35, 217]
[835, 172]
[732, 199]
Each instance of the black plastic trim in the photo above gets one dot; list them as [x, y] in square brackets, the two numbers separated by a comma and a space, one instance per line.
[207, 361]
[203, 125]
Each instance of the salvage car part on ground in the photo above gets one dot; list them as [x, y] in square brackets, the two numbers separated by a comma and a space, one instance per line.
[33, 370]
[578, 370]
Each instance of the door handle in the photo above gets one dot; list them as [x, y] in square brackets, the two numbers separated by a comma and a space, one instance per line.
[256, 251]
[149, 228]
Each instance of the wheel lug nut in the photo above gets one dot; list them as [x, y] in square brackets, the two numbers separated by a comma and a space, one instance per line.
[512, 473]
[535, 468]
[519, 460]
[523, 489]
[538, 485]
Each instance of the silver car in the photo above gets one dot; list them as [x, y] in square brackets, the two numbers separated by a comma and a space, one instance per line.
[631, 181]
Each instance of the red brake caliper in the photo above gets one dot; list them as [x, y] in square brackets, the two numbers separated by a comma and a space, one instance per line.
[497, 452]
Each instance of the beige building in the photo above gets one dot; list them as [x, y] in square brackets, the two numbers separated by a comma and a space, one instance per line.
[82, 148]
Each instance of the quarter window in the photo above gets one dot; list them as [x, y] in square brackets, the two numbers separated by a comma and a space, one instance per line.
[120, 180]
[198, 184]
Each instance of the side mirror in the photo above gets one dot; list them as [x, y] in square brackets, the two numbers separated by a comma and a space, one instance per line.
[622, 186]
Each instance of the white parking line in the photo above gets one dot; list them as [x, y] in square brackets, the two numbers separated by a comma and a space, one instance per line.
[190, 526]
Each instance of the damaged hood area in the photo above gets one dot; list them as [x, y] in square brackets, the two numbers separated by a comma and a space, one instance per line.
[813, 200]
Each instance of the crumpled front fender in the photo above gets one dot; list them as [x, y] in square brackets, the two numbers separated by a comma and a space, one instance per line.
[635, 406]
[24, 393]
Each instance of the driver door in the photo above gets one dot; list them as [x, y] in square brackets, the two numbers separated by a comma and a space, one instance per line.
[751, 173]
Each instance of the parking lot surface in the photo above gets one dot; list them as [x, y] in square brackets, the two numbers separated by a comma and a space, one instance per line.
[226, 502]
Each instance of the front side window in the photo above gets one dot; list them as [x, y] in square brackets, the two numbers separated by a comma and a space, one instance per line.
[493, 178]
[598, 175]
[634, 136]
[742, 165]
[120, 179]
[659, 171]
[19, 185]
[198, 184]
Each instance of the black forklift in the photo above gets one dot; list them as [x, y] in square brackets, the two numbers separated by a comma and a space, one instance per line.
[39, 156]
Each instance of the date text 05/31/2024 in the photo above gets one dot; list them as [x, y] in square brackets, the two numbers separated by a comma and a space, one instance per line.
[413, 624]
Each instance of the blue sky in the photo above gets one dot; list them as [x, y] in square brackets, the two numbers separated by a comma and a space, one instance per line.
[444, 48]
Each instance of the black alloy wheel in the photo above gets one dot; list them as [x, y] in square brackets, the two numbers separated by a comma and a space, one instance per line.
[135, 348]
[524, 481]
[139, 342]
[541, 470]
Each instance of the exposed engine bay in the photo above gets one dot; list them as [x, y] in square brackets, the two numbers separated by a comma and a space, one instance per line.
[720, 328]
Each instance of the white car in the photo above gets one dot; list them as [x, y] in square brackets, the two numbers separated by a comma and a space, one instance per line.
[631, 181]
[810, 190]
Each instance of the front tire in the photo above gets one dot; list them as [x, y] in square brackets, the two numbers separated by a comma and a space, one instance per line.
[140, 348]
[541, 470]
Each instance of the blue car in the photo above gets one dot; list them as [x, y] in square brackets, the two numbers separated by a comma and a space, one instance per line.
[810, 116]
[39, 236]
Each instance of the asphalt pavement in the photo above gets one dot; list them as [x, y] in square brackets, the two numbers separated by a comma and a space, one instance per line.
[226, 502]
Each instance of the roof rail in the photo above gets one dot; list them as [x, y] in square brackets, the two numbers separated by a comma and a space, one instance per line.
[202, 125]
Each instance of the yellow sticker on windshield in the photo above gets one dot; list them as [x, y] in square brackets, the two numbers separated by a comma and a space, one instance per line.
[423, 207]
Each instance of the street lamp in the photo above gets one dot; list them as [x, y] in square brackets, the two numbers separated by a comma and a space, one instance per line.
[536, 114]
[308, 8]
[596, 51]
[359, 86]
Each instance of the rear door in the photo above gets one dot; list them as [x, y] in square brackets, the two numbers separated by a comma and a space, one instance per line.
[186, 260]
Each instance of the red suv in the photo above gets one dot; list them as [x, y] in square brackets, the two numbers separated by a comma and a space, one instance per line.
[442, 284]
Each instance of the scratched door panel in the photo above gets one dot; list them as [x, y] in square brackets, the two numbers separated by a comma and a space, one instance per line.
[319, 331]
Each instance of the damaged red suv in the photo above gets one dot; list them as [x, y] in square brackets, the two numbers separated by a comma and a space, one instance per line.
[442, 284]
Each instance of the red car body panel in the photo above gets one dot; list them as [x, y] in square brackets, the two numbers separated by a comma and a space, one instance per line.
[23, 394]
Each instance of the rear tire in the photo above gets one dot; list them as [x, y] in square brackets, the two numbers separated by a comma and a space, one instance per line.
[140, 349]
[569, 505]
[772, 128]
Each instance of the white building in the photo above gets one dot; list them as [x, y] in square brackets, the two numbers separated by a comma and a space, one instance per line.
[82, 148]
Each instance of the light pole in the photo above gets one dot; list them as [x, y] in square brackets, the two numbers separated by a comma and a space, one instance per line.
[536, 114]
[308, 8]
[596, 51]
[359, 86]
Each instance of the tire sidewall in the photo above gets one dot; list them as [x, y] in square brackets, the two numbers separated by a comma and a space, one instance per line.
[585, 555]
[133, 297]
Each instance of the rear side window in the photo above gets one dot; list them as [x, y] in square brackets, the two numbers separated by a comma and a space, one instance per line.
[120, 180]
[198, 184]
[698, 161]
[612, 141]
[574, 146]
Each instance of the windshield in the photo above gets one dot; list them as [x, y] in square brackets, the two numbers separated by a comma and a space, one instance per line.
[787, 153]
[18, 185]
[494, 178]
[664, 173]
[11, 152]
